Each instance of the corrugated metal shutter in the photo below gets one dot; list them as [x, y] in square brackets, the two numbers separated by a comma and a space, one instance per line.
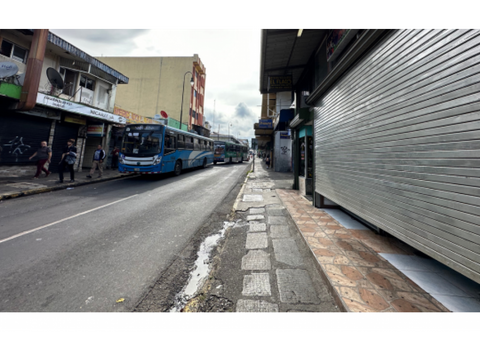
[397, 141]
[20, 137]
[63, 132]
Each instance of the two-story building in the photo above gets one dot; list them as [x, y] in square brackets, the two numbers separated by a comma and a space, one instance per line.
[53, 91]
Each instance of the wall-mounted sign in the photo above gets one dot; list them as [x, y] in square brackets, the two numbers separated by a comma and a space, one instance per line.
[133, 118]
[65, 105]
[75, 120]
[284, 135]
[280, 83]
[95, 130]
[265, 124]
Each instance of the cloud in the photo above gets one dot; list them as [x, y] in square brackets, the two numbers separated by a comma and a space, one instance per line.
[242, 111]
[102, 42]
[238, 123]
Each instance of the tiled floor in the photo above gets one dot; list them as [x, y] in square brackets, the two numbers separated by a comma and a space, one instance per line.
[361, 278]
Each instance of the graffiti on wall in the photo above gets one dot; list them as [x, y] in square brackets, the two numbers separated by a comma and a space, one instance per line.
[16, 147]
[284, 150]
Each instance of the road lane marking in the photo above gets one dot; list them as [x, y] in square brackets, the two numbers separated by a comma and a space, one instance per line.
[68, 218]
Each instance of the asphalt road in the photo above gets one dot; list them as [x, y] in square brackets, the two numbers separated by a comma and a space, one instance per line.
[86, 248]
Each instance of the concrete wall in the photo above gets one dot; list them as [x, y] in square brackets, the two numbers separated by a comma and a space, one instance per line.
[155, 84]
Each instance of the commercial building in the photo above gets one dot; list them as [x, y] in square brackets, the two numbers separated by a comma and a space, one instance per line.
[387, 126]
[54, 92]
[159, 84]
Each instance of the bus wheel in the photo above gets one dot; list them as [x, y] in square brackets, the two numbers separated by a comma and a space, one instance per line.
[178, 168]
[241, 160]
[230, 162]
[214, 163]
[204, 163]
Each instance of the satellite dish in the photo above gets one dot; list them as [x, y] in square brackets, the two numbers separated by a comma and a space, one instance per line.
[55, 78]
[7, 69]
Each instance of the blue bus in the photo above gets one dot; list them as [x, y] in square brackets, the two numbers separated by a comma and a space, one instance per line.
[158, 149]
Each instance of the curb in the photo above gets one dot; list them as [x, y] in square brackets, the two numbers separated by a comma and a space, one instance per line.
[60, 187]
[332, 290]
[239, 196]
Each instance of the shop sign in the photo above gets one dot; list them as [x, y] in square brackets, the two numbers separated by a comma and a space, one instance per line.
[95, 130]
[284, 135]
[334, 40]
[134, 118]
[65, 105]
[280, 83]
[266, 124]
[75, 120]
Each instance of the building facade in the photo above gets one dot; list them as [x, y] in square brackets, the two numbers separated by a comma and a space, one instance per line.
[159, 84]
[393, 116]
[58, 92]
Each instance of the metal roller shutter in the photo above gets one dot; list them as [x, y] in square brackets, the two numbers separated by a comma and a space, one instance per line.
[20, 137]
[63, 132]
[397, 142]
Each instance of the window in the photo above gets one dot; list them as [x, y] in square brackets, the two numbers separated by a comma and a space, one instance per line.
[197, 145]
[181, 142]
[194, 93]
[14, 51]
[170, 144]
[69, 78]
[189, 142]
[87, 83]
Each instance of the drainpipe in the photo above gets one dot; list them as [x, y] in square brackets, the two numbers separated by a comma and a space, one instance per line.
[28, 98]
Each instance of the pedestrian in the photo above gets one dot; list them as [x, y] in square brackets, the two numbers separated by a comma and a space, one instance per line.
[69, 156]
[115, 153]
[44, 155]
[98, 157]
[267, 161]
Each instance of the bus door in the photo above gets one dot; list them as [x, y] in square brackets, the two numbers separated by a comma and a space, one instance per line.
[169, 156]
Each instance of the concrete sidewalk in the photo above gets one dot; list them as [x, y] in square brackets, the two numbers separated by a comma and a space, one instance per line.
[12, 186]
[352, 262]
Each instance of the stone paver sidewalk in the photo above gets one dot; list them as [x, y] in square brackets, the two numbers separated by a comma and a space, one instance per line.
[359, 278]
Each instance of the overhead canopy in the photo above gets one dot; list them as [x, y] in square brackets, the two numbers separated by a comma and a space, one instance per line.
[283, 52]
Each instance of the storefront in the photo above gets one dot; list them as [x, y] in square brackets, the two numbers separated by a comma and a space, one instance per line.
[395, 130]
[303, 156]
[397, 142]
[89, 126]
[20, 137]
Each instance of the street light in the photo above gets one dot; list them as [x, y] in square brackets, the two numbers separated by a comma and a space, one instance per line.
[183, 91]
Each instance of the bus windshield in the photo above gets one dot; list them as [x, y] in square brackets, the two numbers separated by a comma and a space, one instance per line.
[219, 148]
[142, 142]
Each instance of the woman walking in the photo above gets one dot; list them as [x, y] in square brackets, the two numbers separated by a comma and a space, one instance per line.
[44, 154]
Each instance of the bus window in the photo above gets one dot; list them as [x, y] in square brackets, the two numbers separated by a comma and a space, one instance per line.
[170, 144]
[181, 142]
[196, 144]
[189, 142]
[205, 145]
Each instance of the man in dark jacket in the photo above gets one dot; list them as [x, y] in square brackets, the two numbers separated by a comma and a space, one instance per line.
[69, 156]
[98, 158]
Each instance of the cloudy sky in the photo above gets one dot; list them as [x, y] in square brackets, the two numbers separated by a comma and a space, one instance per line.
[231, 57]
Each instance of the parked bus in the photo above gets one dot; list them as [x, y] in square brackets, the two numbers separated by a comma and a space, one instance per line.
[155, 149]
[229, 152]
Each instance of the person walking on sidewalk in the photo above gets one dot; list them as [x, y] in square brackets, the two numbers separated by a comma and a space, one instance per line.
[98, 157]
[44, 154]
[115, 153]
[267, 161]
[69, 156]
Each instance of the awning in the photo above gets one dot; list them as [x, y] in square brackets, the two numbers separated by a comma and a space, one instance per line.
[284, 53]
